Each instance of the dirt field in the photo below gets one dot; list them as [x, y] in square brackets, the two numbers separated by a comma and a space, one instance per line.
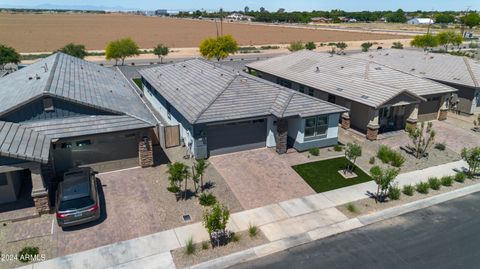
[47, 32]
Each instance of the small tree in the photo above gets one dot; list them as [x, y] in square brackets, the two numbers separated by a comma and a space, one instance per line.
[200, 168]
[425, 41]
[449, 38]
[422, 138]
[75, 50]
[121, 49]
[161, 51]
[341, 46]
[366, 46]
[177, 173]
[352, 152]
[384, 179]
[296, 46]
[310, 46]
[219, 47]
[397, 45]
[215, 221]
[472, 157]
[8, 55]
[471, 20]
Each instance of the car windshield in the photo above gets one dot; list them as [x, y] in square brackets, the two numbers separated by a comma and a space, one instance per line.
[76, 203]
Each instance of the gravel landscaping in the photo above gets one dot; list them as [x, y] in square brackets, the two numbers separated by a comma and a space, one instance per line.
[183, 260]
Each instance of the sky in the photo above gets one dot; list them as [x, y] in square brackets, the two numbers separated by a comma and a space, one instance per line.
[271, 5]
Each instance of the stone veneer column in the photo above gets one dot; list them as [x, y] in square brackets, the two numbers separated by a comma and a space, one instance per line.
[412, 119]
[145, 152]
[373, 126]
[442, 114]
[345, 120]
[282, 135]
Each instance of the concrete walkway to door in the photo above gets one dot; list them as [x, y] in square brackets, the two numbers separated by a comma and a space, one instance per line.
[260, 177]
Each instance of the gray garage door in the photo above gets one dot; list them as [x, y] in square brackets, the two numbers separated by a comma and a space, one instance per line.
[236, 136]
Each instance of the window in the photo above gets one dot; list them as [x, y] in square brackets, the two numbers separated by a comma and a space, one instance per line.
[331, 98]
[284, 83]
[310, 92]
[431, 99]
[316, 126]
[48, 105]
[66, 145]
[301, 89]
[83, 143]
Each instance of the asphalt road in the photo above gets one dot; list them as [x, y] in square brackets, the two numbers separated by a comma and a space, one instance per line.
[443, 236]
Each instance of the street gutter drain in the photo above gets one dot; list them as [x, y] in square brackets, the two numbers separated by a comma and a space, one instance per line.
[186, 218]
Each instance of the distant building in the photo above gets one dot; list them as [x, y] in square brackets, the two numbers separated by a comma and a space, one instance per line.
[161, 12]
[417, 21]
[321, 20]
[239, 17]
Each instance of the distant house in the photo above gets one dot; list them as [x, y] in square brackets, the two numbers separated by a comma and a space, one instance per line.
[161, 12]
[239, 17]
[417, 21]
[321, 20]
[220, 110]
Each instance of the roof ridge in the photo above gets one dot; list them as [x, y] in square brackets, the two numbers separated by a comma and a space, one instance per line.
[367, 70]
[287, 103]
[470, 71]
[214, 99]
[48, 84]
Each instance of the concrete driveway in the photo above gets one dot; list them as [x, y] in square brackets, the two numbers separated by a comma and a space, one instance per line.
[128, 211]
[260, 177]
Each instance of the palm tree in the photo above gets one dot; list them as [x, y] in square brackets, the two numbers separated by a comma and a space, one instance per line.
[200, 168]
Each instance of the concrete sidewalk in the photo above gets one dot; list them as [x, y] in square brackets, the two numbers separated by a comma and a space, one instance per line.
[315, 214]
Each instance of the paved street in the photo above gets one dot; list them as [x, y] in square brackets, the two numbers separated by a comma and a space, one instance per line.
[442, 236]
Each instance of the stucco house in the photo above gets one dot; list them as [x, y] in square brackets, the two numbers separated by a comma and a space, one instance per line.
[63, 112]
[221, 110]
[379, 98]
[418, 21]
[461, 73]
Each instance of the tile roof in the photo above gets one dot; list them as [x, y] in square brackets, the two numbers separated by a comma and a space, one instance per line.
[18, 141]
[359, 80]
[205, 92]
[436, 66]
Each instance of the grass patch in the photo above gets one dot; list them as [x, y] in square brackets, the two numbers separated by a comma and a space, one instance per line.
[434, 183]
[323, 175]
[447, 181]
[207, 199]
[190, 247]
[252, 230]
[314, 151]
[408, 190]
[422, 187]
[352, 208]
[460, 177]
[138, 81]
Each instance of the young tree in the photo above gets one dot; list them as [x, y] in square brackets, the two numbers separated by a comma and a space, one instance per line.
[215, 221]
[341, 46]
[8, 55]
[121, 49]
[471, 20]
[422, 138]
[352, 152]
[397, 45]
[449, 38]
[75, 50]
[177, 173]
[425, 41]
[472, 157]
[384, 179]
[296, 46]
[161, 51]
[219, 47]
[310, 45]
[366, 46]
[200, 167]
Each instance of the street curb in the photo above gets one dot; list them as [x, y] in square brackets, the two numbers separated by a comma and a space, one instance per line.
[330, 230]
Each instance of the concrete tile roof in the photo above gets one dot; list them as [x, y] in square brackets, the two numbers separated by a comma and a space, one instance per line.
[359, 80]
[206, 92]
[436, 66]
[20, 142]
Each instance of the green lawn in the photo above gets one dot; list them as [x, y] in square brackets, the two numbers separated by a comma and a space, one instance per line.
[138, 81]
[323, 175]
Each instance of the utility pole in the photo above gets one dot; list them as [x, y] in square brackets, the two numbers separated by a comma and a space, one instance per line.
[221, 21]
[463, 22]
[430, 22]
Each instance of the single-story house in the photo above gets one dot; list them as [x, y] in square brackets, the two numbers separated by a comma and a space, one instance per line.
[221, 110]
[63, 112]
[379, 98]
[461, 73]
[417, 21]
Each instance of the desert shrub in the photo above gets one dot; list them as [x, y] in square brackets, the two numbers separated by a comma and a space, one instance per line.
[422, 187]
[397, 45]
[337, 148]
[460, 177]
[234, 237]
[252, 230]
[384, 153]
[27, 254]
[205, 245]
[190, 247]
[447, 181]
[434, 183]
[394, 192]
[314, 151]
[440, 146]
[372, 160]
[408, 190]
[397, 159]
[352, 208]
[388, 155]
[207, 199]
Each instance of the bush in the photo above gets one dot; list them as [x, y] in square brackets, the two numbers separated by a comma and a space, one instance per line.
[394, 192]
[422, 187]
[27, 254]
[460, 177]
[310, 46]
[447, 181]
[205, 245]
[372, 160]
[252, 230]
[397, 160]
[408, 190]
[337, 148]
[296, 46]
[234, 237]
[207, 199]
[434, 183]
[190, 247]
[384, 154]
[440, 146]
[397, 45]
[173, 189]
[388, 155]
[314, 151]
[352, 208]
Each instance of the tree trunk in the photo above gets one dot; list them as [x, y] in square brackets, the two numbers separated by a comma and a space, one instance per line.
[201, 182]
[186, 181]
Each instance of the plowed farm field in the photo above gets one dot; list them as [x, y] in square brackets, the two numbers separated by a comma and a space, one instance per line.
[48, 32]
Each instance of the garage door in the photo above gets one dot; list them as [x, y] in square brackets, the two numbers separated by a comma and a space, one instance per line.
[236, 136]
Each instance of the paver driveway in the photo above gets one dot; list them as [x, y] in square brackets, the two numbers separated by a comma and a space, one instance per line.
[455, 137]
[260, 177]
[129, 212]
